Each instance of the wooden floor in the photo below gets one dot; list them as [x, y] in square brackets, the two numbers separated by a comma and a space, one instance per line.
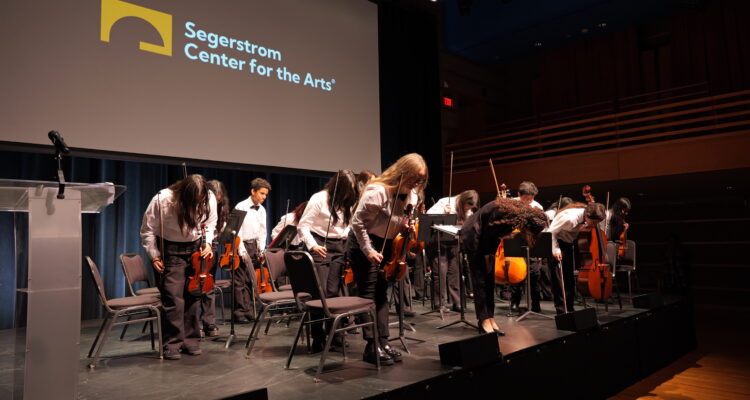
[718, 369]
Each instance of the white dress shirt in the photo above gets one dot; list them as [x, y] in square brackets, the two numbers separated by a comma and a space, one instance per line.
[565, 226]
[534, 203]
[160, 211]
[315, 219]
[439, 207]
[372, 213]
[254, 225]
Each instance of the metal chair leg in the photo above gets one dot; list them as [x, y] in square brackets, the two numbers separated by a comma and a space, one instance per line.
[125, 328]
[296, 339]
[105, 334]
[98, 334]
[326, 349]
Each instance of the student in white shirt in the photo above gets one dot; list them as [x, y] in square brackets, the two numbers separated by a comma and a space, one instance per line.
[462, 205]
[371, 232]
[323, 228]
[254, 235]
[292, 219]
[565, 228]
[170, 234]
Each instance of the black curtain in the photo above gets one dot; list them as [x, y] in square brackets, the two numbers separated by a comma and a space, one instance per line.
[116, 229]
[410, 88]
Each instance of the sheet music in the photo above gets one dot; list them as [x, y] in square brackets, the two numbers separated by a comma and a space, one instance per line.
[450, 229]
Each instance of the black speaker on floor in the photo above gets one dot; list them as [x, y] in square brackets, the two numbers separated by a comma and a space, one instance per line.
[259, 394]
[471, 352]
[648, 300]
[577, 320]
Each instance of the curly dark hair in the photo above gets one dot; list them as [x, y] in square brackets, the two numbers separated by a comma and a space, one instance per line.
[517, 215]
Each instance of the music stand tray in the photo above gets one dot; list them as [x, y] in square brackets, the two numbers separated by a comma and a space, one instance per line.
[283, 238]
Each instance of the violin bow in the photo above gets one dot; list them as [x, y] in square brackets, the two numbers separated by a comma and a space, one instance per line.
[184, 170]
[390, 217]
[332, 208]
[450, 179]
[606, 218]
[492, 168]
[286, 214]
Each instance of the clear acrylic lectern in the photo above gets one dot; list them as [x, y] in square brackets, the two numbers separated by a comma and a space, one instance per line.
[53, 327]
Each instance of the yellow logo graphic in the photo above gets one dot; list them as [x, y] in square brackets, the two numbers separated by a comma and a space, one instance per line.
[115, 10]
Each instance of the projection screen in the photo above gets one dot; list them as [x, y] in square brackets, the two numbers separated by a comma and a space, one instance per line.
[284, 83]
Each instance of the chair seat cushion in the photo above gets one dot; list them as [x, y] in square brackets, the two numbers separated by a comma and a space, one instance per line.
[270, 297]
[132, 301]
[283, 288]
[338, 305]
[223, 283]
[146, 291]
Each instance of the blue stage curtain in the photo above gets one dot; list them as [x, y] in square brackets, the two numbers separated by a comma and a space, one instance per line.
[116, 229]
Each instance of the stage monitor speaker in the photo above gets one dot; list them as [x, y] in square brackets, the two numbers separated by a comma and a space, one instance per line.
[471, 352]
[577, 320]
[648, 300]
[259, 394]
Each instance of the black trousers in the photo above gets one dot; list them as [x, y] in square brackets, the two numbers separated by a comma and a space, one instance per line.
[329, 271]
[534, 274]
[483, 276]
[568, 266]
[179, 320]
[371, 283]
[243, 285]
[449, 273]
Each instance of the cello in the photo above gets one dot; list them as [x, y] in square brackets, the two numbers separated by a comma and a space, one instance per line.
[507, 269]
[202, 281]
[594, 274]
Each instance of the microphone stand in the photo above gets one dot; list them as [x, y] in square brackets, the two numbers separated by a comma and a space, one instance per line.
[60, 175]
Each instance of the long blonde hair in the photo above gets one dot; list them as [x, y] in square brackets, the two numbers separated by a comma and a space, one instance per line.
[407, 166]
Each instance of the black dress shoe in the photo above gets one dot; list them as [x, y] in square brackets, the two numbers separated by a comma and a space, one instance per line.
[371, 352]
[499, 332]
[211, 330]
[192, 350]
[172, 355]
[395, 355]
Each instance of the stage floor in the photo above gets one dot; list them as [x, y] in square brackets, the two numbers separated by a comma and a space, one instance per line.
[129, 369]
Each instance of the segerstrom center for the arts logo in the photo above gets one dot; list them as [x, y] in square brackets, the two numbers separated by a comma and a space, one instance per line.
[209, 47]
[115, 10]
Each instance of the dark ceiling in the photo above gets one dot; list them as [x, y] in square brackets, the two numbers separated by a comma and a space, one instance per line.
[492, 32]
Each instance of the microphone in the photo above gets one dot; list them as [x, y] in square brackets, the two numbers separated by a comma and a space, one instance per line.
[58, 141]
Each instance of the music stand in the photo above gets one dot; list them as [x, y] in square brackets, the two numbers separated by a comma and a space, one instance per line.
[517, 247]
[429, 235]
[227, 236]
[283, 239]
[453, 231]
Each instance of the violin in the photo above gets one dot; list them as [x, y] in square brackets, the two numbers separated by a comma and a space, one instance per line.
[263, 275]
[508, 269]
[202, 281]
[229, 256]
[594, 274]
[396, 268]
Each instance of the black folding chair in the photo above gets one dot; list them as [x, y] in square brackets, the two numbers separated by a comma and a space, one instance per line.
[311, 299]
[123, 307]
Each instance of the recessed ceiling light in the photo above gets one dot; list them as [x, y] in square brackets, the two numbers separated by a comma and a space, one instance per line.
[584, 30]
[603, 25]
[538, 44]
